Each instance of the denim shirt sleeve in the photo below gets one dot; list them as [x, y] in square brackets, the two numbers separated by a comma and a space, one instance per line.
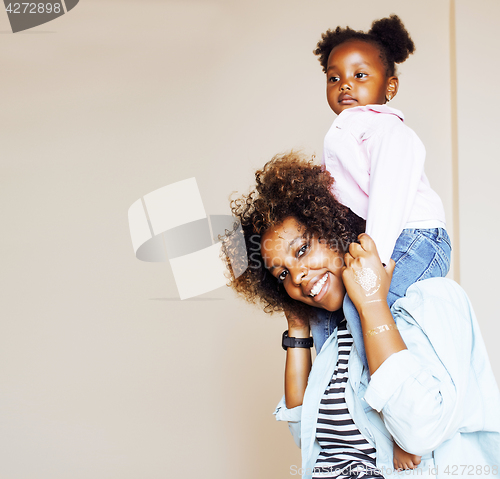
[293, 417]
[420, 391]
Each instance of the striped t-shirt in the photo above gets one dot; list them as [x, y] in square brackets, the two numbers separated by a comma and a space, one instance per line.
[345, 451]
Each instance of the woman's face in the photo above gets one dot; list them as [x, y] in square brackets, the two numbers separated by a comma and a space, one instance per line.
[310, 271]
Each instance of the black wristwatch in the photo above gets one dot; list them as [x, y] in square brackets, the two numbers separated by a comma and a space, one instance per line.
[287, 342]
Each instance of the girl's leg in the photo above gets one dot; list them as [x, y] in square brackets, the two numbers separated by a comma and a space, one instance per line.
[419, 254]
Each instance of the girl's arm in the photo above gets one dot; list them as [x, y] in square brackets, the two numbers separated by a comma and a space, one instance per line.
[298, 363]
[397, 159]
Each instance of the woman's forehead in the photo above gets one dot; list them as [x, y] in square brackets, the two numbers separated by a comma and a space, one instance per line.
[288, 230]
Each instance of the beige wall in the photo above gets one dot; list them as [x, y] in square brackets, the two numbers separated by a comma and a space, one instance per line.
[478, 159]
[104, 373]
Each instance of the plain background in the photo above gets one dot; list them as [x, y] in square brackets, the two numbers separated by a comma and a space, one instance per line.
[104, 372]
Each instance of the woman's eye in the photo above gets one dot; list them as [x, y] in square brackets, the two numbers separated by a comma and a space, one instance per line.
[361, 75]
[302, 250]
[282, 276]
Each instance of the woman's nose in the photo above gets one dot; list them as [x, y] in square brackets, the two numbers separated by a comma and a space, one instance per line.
[297, 275]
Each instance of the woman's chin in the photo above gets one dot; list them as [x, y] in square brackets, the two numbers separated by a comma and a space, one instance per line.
[329, 298]
[330, 307]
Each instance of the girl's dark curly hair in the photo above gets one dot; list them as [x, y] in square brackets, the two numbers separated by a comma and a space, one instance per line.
[389, 35]
[289, 185]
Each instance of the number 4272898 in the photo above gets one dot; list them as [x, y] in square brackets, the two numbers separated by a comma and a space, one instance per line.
[34, 8]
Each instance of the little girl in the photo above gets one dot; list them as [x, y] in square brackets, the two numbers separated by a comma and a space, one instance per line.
[378, 164]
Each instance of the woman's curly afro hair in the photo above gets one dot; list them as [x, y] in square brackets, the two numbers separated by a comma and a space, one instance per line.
[289, 185]
[389, 35]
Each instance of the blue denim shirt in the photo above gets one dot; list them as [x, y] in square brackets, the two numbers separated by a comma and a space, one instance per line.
[419, 254]
[437, 399]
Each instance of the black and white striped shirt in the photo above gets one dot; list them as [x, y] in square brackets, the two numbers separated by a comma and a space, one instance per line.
[345, 451]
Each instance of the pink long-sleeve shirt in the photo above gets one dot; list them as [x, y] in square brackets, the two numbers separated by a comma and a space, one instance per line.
[378, 166]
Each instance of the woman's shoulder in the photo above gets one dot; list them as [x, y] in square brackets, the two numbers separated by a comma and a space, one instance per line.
[436, 288]
[434, 299]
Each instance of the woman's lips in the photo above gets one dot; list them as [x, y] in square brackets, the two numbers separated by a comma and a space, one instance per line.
[315, 286]
[323, 290]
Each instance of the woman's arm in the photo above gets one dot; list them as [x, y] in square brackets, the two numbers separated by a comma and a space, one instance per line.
[432, 377]
[367, 283]
[380, 343]
[298, 363]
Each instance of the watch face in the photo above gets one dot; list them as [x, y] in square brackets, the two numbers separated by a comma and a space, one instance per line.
[285, 341]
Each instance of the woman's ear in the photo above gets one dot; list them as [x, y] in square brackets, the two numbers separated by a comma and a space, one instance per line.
[392, 88]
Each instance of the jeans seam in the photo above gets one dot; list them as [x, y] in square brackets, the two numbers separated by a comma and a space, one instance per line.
[436, 244]
[410, 247]
[441, 234]
[432, 265]
[440, 252]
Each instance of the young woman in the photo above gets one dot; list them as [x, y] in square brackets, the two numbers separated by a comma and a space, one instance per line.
[429, 383]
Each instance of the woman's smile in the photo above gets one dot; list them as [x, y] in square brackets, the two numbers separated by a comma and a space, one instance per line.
[318, 286]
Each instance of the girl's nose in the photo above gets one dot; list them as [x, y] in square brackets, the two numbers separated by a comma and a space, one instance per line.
[345, 86]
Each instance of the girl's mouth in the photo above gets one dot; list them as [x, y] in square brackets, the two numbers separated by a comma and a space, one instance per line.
[346, 100]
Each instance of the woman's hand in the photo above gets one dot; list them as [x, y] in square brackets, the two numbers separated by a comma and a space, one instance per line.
[367, 283]
[366, 279]
[298, 362]
[297, 327]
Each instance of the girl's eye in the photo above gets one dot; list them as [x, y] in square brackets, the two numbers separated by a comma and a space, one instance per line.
[282, 276]
[302, 250]
[333, 79]
[361, 75]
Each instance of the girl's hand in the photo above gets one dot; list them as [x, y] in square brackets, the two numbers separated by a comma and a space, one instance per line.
[365, 278]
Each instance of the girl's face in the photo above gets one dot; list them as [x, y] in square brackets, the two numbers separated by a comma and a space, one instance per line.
[310, 271]
[356, 76]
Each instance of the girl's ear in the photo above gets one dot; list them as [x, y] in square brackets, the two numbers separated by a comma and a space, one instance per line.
[392, 88]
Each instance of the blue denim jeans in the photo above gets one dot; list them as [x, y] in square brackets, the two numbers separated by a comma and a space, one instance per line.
[419, 254]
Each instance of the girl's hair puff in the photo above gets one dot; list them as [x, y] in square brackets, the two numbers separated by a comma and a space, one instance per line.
[389, 35]
[290, 185]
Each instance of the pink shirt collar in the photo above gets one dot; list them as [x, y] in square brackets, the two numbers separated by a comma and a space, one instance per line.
[377, 108]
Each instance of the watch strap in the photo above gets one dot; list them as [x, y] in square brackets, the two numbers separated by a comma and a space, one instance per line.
[287, 342]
